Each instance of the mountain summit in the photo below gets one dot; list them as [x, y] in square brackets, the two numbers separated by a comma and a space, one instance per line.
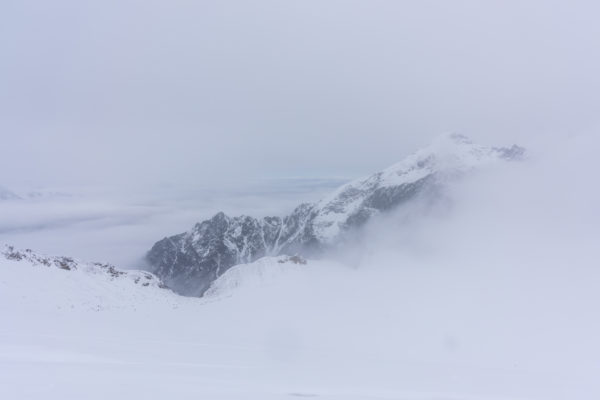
[191, 261]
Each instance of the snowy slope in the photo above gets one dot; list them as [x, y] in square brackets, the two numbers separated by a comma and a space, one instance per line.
[449, 156]
[73, 284]
[379, 335]
[265, 272]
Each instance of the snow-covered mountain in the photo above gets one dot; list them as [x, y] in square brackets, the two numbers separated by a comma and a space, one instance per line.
[261, 272]
[191, 261]
[75, 284]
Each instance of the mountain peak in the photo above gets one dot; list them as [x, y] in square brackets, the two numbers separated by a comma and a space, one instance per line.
[449, 153]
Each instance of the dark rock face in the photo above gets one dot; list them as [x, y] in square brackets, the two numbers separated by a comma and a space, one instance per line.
[191, 261]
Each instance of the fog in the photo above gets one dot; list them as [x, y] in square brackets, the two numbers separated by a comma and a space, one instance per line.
[148, 91]
[119, 224]
[537, 213]
[490, 290]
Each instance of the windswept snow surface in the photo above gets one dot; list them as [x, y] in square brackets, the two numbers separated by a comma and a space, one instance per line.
[278, 329]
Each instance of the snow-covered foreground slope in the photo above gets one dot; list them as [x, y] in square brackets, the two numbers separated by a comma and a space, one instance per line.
[265, 272]
[46, 283]
[279, 329]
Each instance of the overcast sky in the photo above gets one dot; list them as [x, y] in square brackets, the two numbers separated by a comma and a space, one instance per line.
[181, 90]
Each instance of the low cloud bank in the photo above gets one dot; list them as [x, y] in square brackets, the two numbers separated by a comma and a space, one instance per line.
[119, 224]
[502, 274]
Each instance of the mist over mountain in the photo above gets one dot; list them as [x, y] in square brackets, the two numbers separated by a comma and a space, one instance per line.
[191, 261]
[473, 296]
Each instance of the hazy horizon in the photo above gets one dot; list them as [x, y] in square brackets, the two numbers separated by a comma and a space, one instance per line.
[129, 91]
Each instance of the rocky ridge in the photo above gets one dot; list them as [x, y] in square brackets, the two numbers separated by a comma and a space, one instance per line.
[109, 271]
[189, 262]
